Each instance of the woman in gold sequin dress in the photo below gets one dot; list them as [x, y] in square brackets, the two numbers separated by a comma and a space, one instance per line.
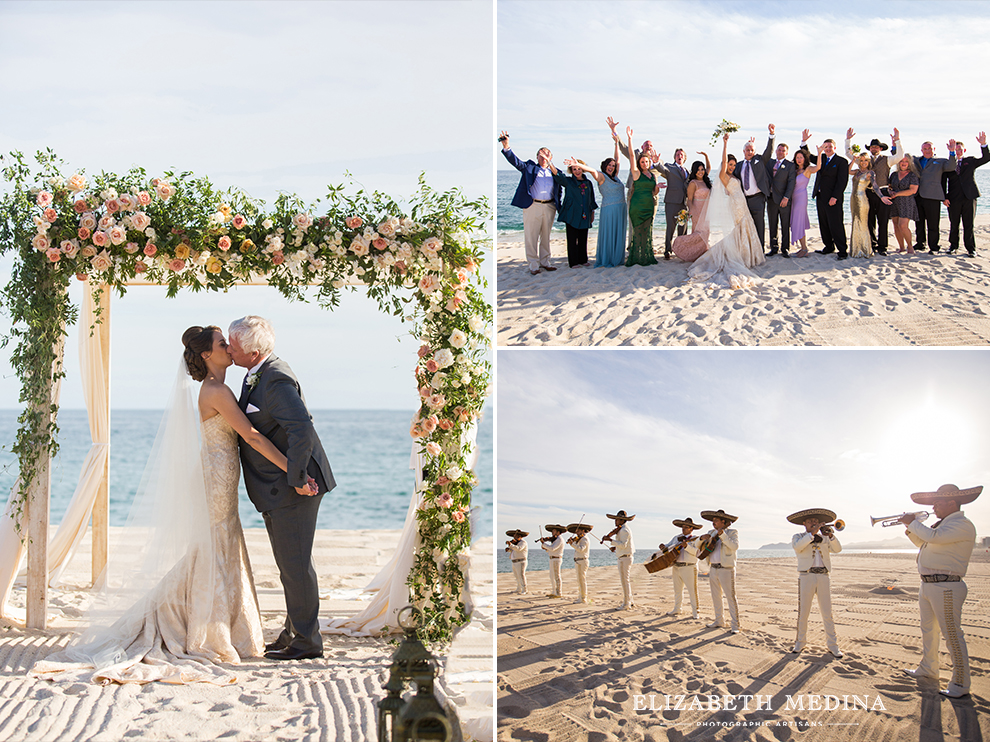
[863, 178]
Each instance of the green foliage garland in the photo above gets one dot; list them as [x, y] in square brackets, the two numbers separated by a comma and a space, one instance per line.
[181, 231]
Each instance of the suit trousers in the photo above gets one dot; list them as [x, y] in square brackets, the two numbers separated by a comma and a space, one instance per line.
[757, 204]
[686, 578]
[929, 212]
[581, 567]
[555, 584]
[963, 209]
[941, 610]
[291, 531]
[810, 586]
[537, 221]
[779, 215]
[519, 571]
[625, 577]
[830, 225]
[724, 581]
[670, 212]
[878, 221]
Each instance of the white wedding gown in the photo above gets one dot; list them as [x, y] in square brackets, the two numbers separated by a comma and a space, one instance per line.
[735, 244]
[204, 611]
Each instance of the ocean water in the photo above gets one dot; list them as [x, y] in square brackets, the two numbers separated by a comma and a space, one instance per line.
[369, 451]
[509, 218]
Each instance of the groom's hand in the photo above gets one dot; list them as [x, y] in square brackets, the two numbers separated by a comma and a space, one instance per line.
[309, 490]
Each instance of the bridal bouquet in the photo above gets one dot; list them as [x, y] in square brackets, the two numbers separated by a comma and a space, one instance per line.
[856, 149]
[725, 126]
[683, 216]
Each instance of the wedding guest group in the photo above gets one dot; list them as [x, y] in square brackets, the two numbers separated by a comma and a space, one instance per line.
[898, 187]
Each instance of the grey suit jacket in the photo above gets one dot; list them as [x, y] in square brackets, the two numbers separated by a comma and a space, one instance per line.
[931, 176]
[282, 417]
[781, 182]
[677, 182]
[759, 164]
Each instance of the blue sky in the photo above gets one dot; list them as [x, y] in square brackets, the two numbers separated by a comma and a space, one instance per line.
[673, 70]
[759, 433]
[270, 97]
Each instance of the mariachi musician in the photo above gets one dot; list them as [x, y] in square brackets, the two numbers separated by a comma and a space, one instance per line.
[719, 546]
[519, 551]
[685, 569]
[621, 538]
[944, 557]
[554, 550]
[581, 545]
[813, 547]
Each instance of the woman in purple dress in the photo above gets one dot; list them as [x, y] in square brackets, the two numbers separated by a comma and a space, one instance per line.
[799, 203]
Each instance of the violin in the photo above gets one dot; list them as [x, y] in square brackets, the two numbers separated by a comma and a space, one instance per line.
[608, 536]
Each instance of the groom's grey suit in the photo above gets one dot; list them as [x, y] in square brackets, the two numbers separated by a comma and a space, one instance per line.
[276, 408]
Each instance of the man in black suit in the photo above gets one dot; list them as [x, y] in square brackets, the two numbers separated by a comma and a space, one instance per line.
[830, 188]
[961, 194]
[783, 174]
[752, 173]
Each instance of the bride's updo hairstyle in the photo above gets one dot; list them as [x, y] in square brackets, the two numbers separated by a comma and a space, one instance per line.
[198, 340]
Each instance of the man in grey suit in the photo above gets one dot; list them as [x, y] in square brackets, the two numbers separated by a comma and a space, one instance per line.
[675, 197]
[783, 175]
[930, 194]
[288, 501]
[752, 173]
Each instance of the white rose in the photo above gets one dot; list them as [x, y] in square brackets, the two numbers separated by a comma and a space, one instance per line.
[475, 323]
[267, 224]
[443, 357]
[458, 339]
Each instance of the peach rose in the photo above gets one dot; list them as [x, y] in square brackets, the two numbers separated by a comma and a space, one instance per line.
[76, 183]
[430, 423]
[41, 242]
[80, 206]
[445, 500]
[131, 247]
[432, 245]
[238, 222]
[458, 516]
[126, 201]
[100, 239]
[112, 206]
[424, 391]
[83, 233]
[70, 249]
[140, 221]
[88, 251]
[164, 190]
[428, 284]
[54, 254]
[140, 266]
[118, 235]
[88, 221]
[224, 243]
[386, 228]
[177, 264]
[353, 222]
[81, 277]
[150, 249]
[302, 221]
[278, 258]
[50, 215]
[44, 199]
[102, 261]
[436, 401]
[144, 198]
[446, 424]
[431, 448]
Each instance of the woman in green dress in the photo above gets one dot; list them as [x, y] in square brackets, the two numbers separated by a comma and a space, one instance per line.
[642, 206]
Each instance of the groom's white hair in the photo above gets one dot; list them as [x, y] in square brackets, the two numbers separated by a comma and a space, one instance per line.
[254, 333]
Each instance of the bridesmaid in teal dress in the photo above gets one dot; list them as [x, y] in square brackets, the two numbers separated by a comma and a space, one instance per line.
[642, 207]
[612, 214]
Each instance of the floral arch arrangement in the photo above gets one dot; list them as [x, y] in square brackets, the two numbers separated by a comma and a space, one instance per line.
[181, 231]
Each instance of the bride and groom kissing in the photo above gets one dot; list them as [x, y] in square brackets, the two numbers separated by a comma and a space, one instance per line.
[196, 601]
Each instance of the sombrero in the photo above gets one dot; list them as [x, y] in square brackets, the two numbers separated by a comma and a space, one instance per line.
[621, 515]
[712, 514]
[947, 492]
[517, 533]
[687, 523]
[573, 527]
[556, 527]
[824, 515]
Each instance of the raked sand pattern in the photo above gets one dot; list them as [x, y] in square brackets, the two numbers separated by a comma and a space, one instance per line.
[573, 672]
[893, 300]
[329, 699]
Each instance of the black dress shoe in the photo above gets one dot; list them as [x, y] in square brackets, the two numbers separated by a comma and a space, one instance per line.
[933, 250]
[952, 249]
[773, 251]
[273, 646]
[785, 253]
[881, 252]
[971, 253]
[842, 256]
[826, 251]
[293, 653]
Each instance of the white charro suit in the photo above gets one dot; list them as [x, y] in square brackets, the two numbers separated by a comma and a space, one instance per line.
[946, 549]
[722, 576]
[811, 584]
[581, 549]
[624, 550]
[555, 551]
[519, 553]
[685, 574]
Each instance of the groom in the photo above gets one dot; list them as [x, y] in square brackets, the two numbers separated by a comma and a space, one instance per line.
[289, 501]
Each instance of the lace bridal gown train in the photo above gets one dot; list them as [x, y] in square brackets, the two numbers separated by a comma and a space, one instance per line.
[204, 610]
[735, 245]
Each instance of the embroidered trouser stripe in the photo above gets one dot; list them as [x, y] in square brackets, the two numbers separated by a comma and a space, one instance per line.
[810, 586]
[686, 578]
[941, 604]
[555, 586]
[625, 567]
[519, 570]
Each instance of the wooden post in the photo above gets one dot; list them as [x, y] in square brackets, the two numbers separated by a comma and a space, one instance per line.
[101, 508]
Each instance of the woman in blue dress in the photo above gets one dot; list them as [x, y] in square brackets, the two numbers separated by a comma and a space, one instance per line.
[613, 214]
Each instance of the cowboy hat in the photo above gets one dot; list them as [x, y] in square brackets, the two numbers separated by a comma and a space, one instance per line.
[517, 533]
[621, 515]
[877, 143]
[947, 492]
[573, 527]
[823, 515]
[712, 514]
[687, 523]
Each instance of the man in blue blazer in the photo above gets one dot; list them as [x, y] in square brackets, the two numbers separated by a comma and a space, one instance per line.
[538, 195]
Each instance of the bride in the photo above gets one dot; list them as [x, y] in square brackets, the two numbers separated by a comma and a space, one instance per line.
[183, 598]
[735, 245]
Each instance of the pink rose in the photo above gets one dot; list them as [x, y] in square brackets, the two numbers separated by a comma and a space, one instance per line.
[100, 239]
[113, 206]
[44, 199]
[126, 201]
[118, 235]
[150, 249]
[54, 254]
[442, 481]
[83, 233]
[107, 221]
[424, 391]
[50, 215]
[164, 190]
[458, 516]
[445, 500]
[140, 267]
[140, 221]
[80, 206]
[432, 366]
[176, 264]
[302, 221]
[76, 183]
[353, 222]
[41, 242]
[278, 258]
[224, 243]
[429, 283]
[380, 243]
[431, 448]
[400, 267]
[132, 247]
[424, 350]
[436, 401]
[238, 222]
[144, 198]
[88, 251]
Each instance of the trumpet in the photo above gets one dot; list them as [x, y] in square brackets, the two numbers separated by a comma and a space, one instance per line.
[827, 528]
[893, 520]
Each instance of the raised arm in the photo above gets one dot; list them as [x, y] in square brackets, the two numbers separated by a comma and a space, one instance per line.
[768, 152]
[708, 163]
[631, 154]
[574, 164]
[815, 167]
[984, 152]
[723, 174]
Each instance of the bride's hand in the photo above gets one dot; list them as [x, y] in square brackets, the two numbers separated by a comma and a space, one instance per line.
[629, 132]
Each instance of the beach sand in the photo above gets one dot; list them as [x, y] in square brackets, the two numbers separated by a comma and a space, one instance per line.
[882, 301]
[574, 672]
[333, 698]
